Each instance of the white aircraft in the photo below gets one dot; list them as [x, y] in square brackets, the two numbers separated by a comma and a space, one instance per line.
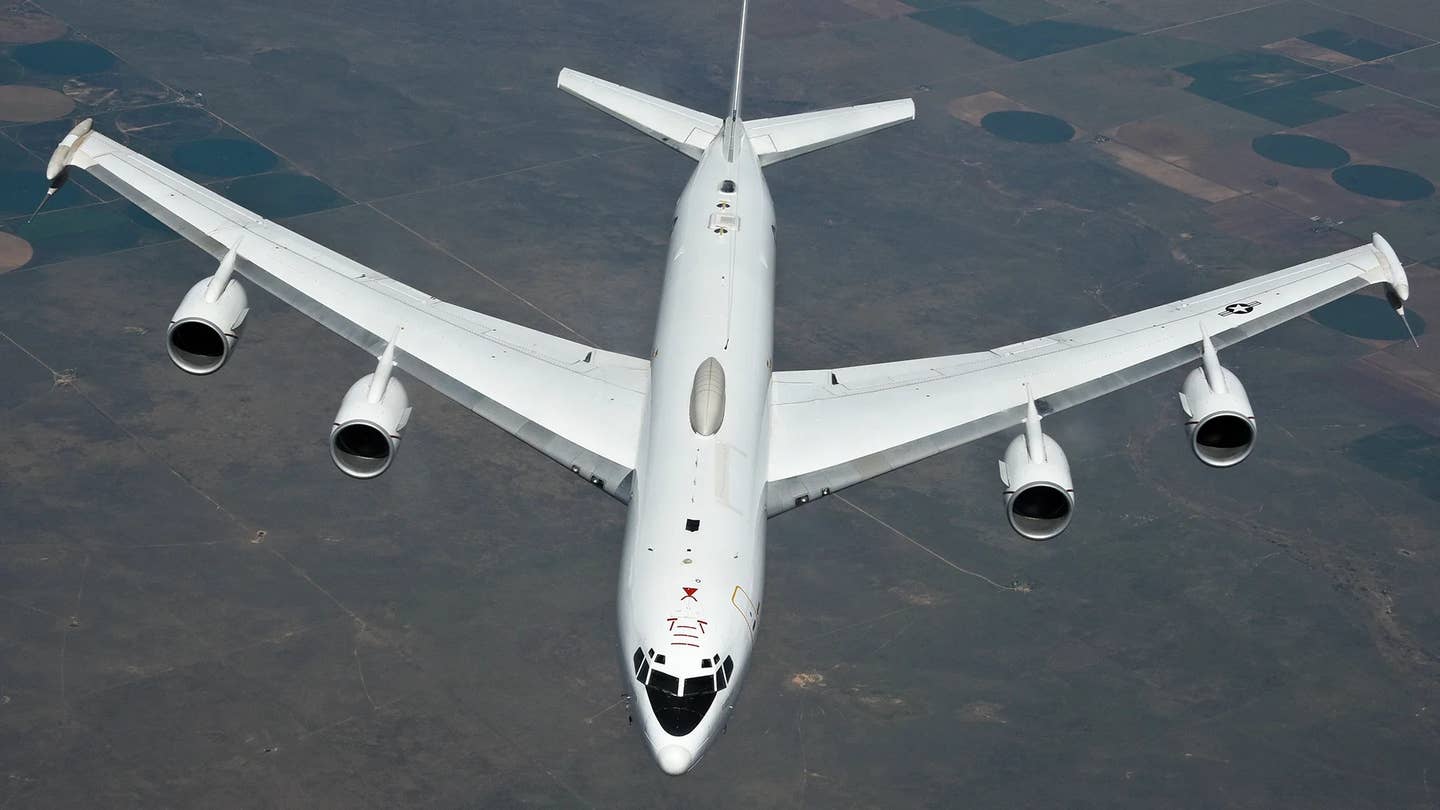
[704, 440]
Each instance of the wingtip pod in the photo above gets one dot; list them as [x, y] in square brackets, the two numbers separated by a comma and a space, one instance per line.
[1397, 284]
[59, 161]
[60, 158]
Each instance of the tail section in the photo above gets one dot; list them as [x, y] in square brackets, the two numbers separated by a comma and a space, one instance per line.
[777, 139]
[685, 130]
[772, 139]
[732, 117]
[734, 112]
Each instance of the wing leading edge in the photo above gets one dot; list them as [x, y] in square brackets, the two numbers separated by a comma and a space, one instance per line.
[576, 404]
[835, 427]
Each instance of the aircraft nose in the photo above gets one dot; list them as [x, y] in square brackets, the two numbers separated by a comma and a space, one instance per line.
[674, 760]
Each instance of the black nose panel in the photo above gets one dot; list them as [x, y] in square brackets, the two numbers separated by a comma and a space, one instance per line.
[679, 715]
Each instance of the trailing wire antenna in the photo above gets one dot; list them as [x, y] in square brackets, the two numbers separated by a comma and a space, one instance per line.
[1406, 321]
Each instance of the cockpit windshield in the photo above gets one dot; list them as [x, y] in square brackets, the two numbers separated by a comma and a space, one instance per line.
[666, 683]
[678, 709]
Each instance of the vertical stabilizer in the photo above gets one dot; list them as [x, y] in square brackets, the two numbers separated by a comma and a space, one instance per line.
[732, 115]
[691, 132]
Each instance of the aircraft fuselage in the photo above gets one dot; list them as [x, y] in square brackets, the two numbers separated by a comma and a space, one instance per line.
[692, 574]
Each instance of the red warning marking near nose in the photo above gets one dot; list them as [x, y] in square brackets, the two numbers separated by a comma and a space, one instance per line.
[689, 594]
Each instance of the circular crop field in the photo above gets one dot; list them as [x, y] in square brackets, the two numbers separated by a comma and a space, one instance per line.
[1027, 127]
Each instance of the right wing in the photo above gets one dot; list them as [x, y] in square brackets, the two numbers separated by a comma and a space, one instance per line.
[831, 428]
[576, 404]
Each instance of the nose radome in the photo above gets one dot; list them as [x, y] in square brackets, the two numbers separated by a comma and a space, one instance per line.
[674, 760]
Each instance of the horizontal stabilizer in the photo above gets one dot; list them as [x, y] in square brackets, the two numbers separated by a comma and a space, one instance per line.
[777, 139]
[680, 128]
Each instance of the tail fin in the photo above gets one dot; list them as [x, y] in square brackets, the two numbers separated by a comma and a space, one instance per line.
[732, 116]
[777, 139]
[685, 130]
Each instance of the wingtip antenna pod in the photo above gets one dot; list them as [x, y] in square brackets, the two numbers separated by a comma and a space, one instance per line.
[56, 170]
[1397, 284]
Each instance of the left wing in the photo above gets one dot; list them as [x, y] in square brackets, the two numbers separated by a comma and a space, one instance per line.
[576, 404]
[835, 427]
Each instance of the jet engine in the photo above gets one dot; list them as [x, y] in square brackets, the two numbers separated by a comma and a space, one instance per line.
[206, 325]
[1039, 495]
[1221, 422]
[367, 427]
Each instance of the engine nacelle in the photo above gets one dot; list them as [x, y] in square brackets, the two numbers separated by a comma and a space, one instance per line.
[1221, 422]
[1039, 495]
[206, 325]
[367, 428]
